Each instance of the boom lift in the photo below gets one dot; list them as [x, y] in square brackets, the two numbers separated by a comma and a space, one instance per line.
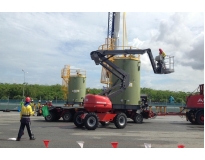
[99, 108]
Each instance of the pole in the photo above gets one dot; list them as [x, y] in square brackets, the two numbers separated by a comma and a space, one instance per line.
[23, 82]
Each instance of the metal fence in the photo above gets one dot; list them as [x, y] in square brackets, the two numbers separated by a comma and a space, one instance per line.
[14, 104]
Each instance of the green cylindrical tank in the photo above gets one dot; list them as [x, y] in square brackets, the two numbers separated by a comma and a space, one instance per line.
[131, 96]
[76, 88]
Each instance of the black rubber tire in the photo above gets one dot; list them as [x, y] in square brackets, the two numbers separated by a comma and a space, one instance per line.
[120, 120]
[190, 118]
[77, 120]
[67, 117]
[51, 117]
[91, 121]
[138, 118]
[200, 118]
[104, 124]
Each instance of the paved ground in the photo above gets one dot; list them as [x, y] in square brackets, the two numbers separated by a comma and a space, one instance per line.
[161, 132]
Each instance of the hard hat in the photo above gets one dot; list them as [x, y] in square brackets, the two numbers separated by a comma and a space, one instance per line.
[28, 99]
[160, 50]
[39, 101]
[32, 100]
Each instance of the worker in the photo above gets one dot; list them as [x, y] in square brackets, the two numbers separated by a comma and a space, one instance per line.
[25, 114]
[39, 104]
[161, 53]
[50, 104]
[32, 105]
[161, 63]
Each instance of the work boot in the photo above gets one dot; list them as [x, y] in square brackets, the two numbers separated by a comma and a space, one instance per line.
[32, 138]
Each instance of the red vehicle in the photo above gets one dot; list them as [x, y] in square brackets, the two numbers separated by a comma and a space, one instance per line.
[99, 108]
[195, 105]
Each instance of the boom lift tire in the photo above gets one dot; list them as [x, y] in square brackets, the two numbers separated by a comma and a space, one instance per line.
[51, 117]
[200, 118]
[120, 120]
[77, 119]
[91, 121]
[138, 118]
[67, 117]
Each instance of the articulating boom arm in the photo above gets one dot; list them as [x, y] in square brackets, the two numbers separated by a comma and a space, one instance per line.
[99, 57]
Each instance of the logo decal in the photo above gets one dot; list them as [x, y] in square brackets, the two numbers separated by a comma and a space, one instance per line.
[200, 100]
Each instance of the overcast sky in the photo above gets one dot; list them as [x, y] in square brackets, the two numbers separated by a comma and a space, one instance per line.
[41, 43]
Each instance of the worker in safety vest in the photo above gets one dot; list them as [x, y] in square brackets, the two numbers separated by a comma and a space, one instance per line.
[26, 112]
[32, 105]
[39, 106]
[161, 53]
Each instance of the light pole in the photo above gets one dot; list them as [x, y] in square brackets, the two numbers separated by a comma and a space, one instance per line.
[24, 81]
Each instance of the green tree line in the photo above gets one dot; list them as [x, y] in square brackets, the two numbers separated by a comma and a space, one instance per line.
[52, 92]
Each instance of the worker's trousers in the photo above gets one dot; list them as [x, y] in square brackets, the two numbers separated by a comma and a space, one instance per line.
[25, 122]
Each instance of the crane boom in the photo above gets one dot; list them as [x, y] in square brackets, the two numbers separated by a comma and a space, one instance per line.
[101, 57]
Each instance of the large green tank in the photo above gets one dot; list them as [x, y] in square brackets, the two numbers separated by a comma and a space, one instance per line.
[76, 88]
[131, 96]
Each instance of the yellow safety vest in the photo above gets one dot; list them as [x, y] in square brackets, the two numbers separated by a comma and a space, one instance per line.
[26, 111]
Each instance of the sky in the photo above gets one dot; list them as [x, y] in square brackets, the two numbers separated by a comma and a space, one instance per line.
[42, 43]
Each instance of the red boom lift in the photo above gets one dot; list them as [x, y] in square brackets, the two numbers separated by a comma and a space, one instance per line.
[99, 108]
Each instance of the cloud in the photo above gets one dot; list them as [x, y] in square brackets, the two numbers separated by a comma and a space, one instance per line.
[41, 43]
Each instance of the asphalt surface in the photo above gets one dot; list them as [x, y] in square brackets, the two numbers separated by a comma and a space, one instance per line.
[161, 132]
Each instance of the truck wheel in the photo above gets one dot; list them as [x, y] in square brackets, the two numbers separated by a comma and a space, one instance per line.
[120, 120]
[50, 117]
[200, 118]
[77, 119]
[189, 116]
[91, 121]
[138, 118]
[67, 117]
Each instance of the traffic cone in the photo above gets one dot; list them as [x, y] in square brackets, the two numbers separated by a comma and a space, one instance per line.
[46, 143]
[80, 143]
[114, 144]
[180, 146]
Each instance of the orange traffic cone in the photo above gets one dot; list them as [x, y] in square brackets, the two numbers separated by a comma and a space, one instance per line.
[180, 146]
[114, 144]
[46, 143]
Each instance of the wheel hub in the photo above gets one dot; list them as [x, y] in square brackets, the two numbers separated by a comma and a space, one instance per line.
[121, 121]
[91, 121]
[79, 120]
[67, 116]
